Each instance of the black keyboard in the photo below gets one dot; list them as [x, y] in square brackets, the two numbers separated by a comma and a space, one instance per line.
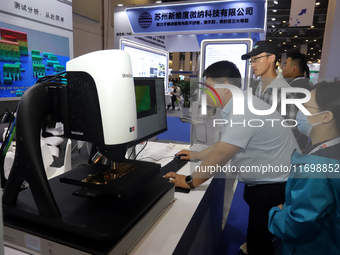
[173, 166]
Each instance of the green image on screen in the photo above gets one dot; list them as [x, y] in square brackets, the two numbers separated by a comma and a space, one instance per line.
[143, 99]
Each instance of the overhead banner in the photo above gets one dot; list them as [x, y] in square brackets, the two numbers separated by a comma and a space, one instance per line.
[222, 15]
[301, 13]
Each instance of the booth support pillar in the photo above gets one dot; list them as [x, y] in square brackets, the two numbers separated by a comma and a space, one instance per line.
[175, 63]
[304, 49]
[187, 61]
[330, 55]
[283, 58]
[194, 62]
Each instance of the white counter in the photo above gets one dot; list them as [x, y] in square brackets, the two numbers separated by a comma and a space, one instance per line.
[165, 233]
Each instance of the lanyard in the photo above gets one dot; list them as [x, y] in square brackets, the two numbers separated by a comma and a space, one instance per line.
[326, 144]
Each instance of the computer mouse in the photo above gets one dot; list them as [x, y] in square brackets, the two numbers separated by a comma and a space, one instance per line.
[178, 156]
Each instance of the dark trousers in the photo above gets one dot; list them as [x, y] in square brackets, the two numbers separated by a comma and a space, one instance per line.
[173, 100]
[261, 198]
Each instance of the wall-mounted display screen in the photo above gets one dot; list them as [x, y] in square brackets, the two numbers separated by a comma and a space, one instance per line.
[26, 55]
[36, 39]
[226, 49]
[147, 62]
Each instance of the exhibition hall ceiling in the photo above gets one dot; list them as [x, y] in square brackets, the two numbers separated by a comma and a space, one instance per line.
[290, 38]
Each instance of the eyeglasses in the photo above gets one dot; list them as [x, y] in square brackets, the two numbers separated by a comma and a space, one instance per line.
[253, 60]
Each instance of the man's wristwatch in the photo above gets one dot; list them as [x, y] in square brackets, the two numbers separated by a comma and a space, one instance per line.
[188, 180]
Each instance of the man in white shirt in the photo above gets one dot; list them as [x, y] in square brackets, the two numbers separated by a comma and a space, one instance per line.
[249, 141]
[263, 59]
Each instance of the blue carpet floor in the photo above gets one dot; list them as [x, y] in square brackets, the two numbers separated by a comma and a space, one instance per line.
[235, 230]
[177, 131]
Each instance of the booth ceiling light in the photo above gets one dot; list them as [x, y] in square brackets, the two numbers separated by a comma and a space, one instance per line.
[270, 40]
[273, 26]
[280, 32]
[284, 21]
[306, 40]
[276, 2]
[314, 40]
[273, 19]
[312, 26]
[158, 2]
[284, 43]
[319, 50]
[120, 5]
[274, 10]
[318, 3]
[295, 36]
[311, 48]
[294, 46]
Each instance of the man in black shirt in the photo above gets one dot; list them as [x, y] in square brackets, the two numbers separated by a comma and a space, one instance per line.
[293, 71]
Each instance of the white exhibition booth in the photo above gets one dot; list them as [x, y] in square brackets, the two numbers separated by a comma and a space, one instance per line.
[221, 30]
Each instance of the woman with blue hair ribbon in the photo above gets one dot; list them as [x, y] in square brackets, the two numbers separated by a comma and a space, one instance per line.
[309, 221]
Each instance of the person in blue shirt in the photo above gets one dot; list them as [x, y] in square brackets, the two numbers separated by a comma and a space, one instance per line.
[309, 221]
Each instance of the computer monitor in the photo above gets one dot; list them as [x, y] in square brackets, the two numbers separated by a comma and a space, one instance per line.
[151, 110]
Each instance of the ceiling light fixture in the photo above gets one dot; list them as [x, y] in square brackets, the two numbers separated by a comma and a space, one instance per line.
[311, 48]
[274, 10]
[319, 50]
[294, 46]
[280, 32]
[277, 2]
[312, 26]
[270, 40]
[295, 36]
[314, 40]
[306, 40]
[318, 3]
[284, 43]
[120, 5]
[284, 21]
[308, 53]
[273, 19]
[285, 50]
[158, 2]
[273, 26]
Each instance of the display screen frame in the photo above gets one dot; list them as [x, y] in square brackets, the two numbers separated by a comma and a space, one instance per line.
[243, 65]
[141, 50]
[150, 119]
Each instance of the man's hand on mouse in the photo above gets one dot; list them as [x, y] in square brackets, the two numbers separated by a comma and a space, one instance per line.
[187, 155]
[177, 179]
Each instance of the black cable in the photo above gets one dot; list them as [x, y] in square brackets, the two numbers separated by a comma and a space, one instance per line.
[146, 143]
[134, 147]
[51, 77]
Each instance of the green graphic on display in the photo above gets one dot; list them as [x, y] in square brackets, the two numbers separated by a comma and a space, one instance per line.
[143, 100]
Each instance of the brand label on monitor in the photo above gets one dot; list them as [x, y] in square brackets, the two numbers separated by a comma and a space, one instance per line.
[127, 75]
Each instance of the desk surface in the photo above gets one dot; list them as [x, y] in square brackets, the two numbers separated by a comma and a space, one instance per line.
[165, 233]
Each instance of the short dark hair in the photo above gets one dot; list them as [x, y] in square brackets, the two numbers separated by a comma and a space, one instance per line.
[300, 60]
[327, 98]
[225, 70]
